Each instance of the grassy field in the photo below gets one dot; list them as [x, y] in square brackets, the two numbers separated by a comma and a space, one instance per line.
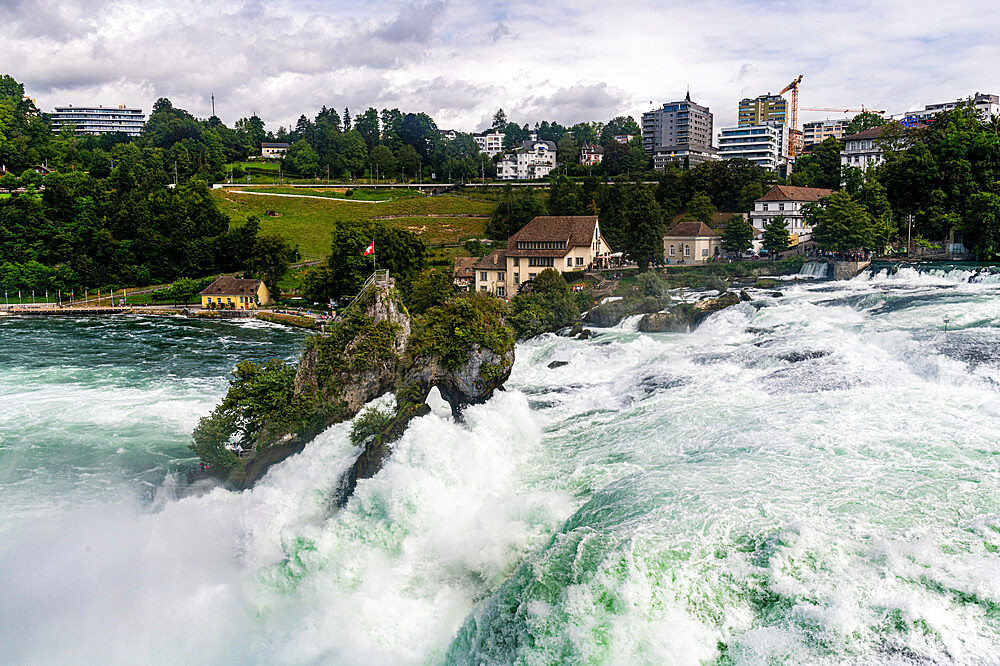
[307, 222]
[358, 194]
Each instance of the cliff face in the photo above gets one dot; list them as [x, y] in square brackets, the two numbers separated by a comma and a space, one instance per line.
[463, 347]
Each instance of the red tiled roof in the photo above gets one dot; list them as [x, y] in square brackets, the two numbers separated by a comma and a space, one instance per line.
[691, 229]
[573, 230]
[790, 193]
[231, 286]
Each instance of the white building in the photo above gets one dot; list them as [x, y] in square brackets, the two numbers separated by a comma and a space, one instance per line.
[99, 120]
[448, 134]
[534, 159]
[764, 145]
[987, 105]
[490, 143]
[786, 202]
[862, 150]
[273, 151]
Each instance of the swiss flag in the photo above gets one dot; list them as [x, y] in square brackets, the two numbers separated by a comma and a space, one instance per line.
[370, 249]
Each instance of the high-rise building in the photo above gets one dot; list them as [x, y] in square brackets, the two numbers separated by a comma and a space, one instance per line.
[678, 131]
[764, 109]
[818, 131]
[764, 145]
[99, 119]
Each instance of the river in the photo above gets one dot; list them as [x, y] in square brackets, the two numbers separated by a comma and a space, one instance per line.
[810, 477]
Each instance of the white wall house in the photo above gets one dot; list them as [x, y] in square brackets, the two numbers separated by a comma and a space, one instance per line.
[862, 150]
[786, 202]
[534, 159]
[764, 145]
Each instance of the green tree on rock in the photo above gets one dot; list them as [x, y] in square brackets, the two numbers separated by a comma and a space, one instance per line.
[738, 236]
[776, 238]
[431, 287]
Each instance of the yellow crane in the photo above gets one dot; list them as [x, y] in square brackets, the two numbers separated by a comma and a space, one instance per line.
[794, 87]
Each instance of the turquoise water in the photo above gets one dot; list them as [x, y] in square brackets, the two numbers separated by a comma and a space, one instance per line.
[810, 478]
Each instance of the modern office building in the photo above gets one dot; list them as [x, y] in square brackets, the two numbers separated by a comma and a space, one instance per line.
[764, 145]
[762, 110]
[99, 120]
[819, 131]
[678, 131]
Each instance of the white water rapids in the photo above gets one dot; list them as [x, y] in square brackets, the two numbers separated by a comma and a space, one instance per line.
[808, 478]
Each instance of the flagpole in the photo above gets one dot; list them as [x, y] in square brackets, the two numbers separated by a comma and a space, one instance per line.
[373, 255]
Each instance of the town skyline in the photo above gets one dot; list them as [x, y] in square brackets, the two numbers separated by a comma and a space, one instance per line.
[460, 62]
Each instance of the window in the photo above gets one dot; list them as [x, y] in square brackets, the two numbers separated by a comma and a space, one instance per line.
[482, 276]
[515, 261]
[579, 261]
[687, 250]
[482, 288]
[671, 250]
[501, 292]
[569, 261]
[531, 276]
[541, 261]
[765, 207]
[781, 206]
[500, 276]
[704, 252]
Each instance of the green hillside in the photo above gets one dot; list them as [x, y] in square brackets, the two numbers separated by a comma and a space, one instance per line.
[307, 222]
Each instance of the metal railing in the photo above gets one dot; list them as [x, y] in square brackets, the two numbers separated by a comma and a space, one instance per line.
[380, 277]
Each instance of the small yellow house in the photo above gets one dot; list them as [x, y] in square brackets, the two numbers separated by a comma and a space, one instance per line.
[231, 293]
[691, 241]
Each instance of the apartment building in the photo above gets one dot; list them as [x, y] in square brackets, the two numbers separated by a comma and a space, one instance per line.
[490, 143]
[678, 131]
[99, 120]
[764, 145]
[987, 105]
[762, 110]
[533, 160]
[818, 131]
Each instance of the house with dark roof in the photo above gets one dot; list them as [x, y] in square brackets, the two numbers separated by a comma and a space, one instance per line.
[863, 149]
[786, 202]
[591, 154]
[273, 151]
[462, 274]
[691, 241]
[232, 293]
[565, 243]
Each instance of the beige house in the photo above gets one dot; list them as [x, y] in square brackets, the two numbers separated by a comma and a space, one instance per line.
[563, 243]
[691, 241]
[787, 202]
[230, 293]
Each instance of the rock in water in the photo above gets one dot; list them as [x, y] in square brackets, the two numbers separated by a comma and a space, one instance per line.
[558, 364]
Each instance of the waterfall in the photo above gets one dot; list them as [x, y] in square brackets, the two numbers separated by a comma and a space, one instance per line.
[815, 269]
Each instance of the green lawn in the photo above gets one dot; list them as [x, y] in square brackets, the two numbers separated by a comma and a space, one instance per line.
[358, 194]
[307, 222]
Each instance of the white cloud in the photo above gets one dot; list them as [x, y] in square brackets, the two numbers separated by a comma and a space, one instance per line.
[459, 61]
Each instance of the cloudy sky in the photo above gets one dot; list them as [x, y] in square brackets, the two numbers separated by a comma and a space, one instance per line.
[563, 60]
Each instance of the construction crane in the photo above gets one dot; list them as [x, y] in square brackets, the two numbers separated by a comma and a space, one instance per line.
[863, 109]
[794, 87]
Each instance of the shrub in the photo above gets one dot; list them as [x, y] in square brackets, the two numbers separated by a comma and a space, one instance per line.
[369, 424]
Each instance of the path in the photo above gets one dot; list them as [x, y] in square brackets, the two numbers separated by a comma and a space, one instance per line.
[306, 196]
